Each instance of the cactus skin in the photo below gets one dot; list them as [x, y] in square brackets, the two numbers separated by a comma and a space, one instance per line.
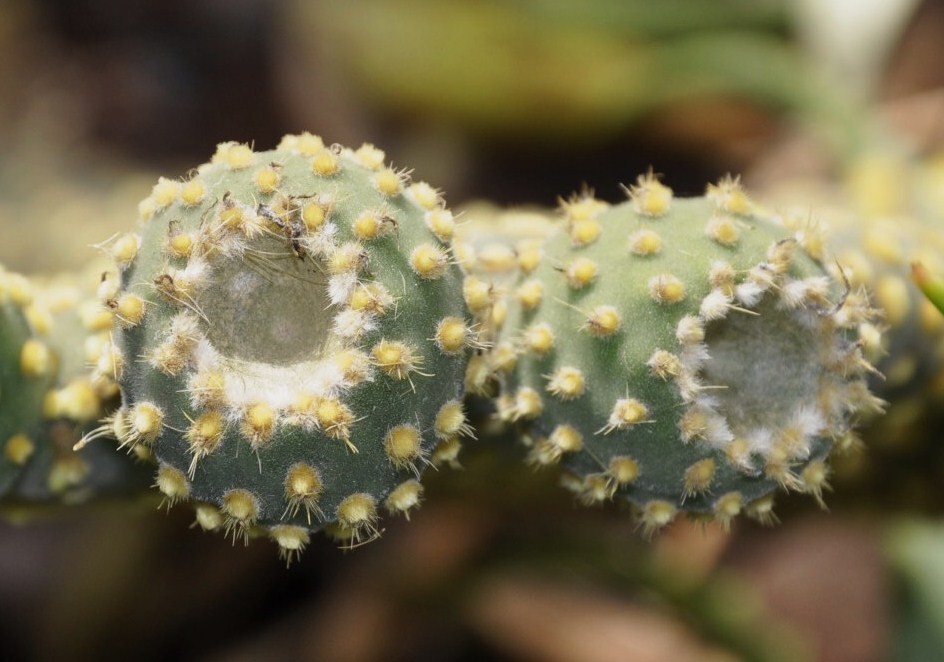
[26, 370]
[291, 339]
[684, 355]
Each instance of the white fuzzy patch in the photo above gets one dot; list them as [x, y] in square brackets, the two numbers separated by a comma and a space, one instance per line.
[341, 287]
[243, 286]
[195, 276]
[321, 243]
[749, 293]
[717, 433]
[689, 386]
[760, 441]
[714, 306]
[184, 325]
[205, 356]
[690, 330]
[794, 293]
[353, 323]
[250, 382]
[693, 357]
[809, 420]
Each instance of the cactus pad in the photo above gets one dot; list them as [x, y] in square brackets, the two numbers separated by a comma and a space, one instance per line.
[75, 327]
[684, 354]
[291, 338]
[27, 367]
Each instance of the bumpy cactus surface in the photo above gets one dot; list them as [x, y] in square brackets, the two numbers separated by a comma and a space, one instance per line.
[685, 354]
[291, 338]
[26, 370]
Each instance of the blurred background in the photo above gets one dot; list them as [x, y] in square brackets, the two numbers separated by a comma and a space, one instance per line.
[513, 102]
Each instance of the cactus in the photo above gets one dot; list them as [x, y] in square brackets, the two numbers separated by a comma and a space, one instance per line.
[26, 370]
[492, 245]
[74, 327]
[291, 339]
[885, 215]
[869, 231]
[875, 253]
[491, 242]
[685, 354]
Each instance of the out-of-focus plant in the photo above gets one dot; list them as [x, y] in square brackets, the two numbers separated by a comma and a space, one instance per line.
[931, 285]
[545, 67]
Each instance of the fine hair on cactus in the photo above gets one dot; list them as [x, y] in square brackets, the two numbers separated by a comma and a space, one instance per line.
[291, 339]
[684, 354]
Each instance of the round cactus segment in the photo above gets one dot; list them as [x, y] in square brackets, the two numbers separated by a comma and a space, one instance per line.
[27, 367]
[700, 374]
[288, 334]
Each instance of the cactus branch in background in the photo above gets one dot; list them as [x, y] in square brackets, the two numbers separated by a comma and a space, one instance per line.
[67, 317]
[27, 367]
[931, 285]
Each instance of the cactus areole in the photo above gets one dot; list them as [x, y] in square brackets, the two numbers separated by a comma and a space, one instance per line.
[291, 338]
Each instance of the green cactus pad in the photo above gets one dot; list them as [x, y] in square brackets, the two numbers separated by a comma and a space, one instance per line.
[684, 354]
[27, 367]
[291, 338]
[75, 327]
